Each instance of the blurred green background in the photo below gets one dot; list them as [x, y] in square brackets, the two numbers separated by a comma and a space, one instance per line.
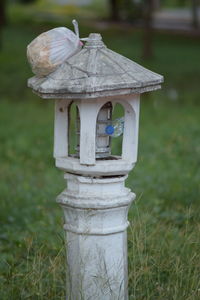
[164, 236]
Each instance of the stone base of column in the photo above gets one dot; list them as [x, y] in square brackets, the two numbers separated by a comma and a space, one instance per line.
[95, 222]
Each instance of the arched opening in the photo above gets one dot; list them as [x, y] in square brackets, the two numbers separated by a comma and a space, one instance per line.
[73, 130]
[109, 131]
[118, 125]
[103, 140]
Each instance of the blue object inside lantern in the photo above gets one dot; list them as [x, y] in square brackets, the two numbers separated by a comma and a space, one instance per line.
[109, 130]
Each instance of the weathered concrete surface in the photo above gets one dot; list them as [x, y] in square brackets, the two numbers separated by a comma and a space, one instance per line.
[95, 223]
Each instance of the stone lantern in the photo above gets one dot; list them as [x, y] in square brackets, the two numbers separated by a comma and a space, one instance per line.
[96, 201]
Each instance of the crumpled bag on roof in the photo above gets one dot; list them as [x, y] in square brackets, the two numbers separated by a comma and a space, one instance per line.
[51, 48]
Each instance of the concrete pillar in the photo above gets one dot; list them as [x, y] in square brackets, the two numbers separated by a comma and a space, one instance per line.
[95, 212]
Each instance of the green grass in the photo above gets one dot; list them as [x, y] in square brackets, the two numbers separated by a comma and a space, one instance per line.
[164, 237]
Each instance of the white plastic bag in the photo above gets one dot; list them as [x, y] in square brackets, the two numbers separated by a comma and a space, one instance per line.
[51, 48]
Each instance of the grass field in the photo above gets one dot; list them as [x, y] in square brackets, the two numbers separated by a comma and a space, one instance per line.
[164, 236]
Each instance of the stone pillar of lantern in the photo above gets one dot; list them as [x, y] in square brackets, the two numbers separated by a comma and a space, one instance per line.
[96, 201]
[95, 212]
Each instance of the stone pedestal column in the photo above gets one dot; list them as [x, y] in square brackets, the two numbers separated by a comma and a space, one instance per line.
[95, 222]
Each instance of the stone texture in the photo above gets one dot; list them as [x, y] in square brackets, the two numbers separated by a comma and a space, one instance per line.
[95, 223]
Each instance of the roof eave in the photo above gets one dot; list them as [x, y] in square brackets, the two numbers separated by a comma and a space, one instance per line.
[98, 94]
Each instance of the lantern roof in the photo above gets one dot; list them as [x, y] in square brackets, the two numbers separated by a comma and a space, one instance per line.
[93, 72]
